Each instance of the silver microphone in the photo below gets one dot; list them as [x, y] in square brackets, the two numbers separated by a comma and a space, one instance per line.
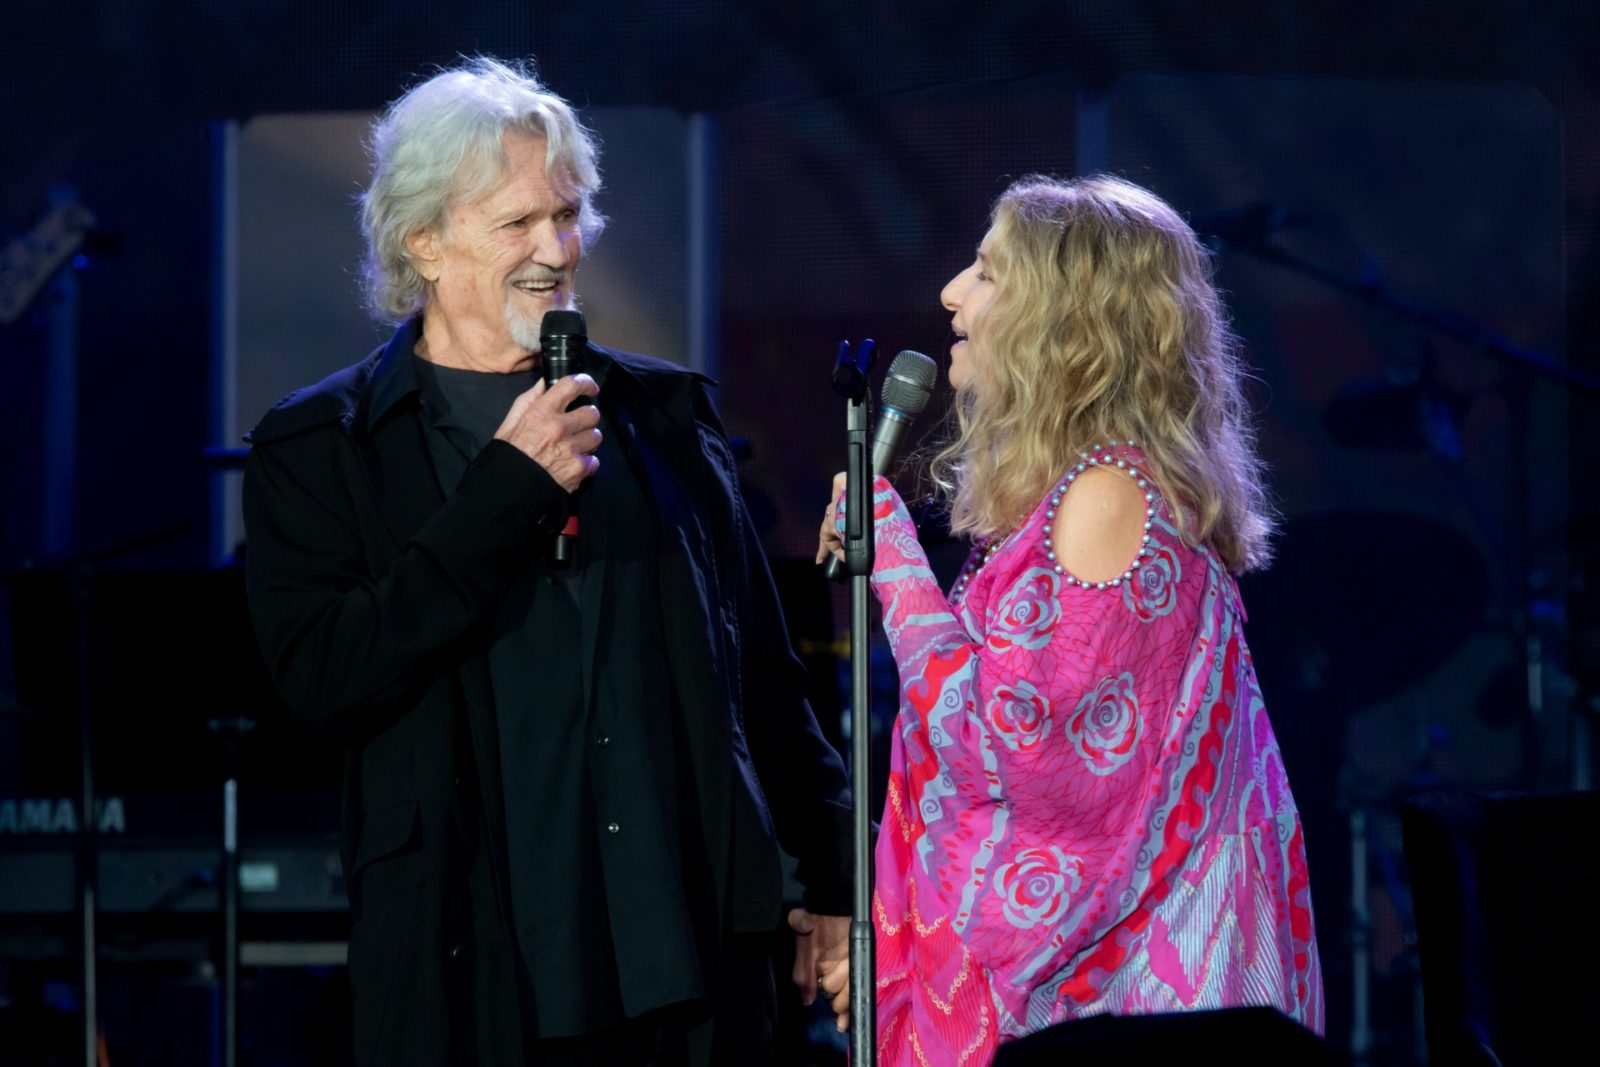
[906, 391]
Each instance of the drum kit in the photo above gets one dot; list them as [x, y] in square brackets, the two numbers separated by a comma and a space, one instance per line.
[1362, 607]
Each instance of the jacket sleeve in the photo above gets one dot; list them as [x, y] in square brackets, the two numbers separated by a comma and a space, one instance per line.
[804, 779]
[341, 638]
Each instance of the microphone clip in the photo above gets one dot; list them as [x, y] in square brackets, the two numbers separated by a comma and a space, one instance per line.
[850, 369]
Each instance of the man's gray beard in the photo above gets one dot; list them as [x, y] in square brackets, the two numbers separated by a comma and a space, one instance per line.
[522, 331]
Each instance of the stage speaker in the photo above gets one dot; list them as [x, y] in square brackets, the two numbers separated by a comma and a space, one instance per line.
[1240, 1037]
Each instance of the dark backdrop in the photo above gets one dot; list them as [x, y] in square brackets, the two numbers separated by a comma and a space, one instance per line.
[1451, 152]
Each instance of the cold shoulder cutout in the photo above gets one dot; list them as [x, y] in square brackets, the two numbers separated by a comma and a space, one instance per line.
[1098, 529]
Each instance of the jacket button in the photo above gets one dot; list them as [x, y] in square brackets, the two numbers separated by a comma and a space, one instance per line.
[456, 952]
[603, 740]
[613, 828]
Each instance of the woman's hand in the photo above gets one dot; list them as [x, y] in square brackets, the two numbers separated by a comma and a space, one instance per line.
[820, 941]
[835, 983]
[831, 542]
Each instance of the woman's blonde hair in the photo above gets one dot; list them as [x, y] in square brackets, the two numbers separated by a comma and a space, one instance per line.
[1104, 324]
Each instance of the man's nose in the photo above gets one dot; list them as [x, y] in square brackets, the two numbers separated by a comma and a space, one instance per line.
[550, 250]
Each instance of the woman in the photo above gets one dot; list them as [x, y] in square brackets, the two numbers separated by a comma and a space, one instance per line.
[1087, 811]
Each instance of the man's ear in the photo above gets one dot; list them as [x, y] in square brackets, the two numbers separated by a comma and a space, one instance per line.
[423, 244]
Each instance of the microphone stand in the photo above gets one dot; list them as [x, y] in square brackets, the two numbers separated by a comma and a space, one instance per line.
[1471, 334]
[80, 587]
[230, 733]
[850, 381]
[81, 577]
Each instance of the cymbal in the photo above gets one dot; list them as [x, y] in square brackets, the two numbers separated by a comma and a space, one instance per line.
[1360, 604]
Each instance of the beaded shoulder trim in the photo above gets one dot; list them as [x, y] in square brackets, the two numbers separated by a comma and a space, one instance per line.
[1097, 456]
[1101, 456]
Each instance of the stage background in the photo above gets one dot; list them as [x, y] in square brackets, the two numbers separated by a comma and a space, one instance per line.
[779, 179]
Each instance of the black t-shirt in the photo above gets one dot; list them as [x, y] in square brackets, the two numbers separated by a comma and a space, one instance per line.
[592, 761]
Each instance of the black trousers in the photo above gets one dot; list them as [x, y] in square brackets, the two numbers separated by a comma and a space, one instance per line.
[739, 1031]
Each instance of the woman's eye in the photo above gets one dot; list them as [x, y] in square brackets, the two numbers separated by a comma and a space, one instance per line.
[982, 277]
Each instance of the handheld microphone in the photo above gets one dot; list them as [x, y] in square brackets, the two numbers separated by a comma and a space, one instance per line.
[906, 391]
[563, 341]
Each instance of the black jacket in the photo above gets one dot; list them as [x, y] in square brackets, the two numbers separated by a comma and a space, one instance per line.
[370, 589]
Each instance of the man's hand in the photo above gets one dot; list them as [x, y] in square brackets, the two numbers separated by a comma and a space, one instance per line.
[562, 442]
[821, 942]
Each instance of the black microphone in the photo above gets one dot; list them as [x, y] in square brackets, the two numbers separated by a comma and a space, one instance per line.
[563, 342]
[906, 390]
[1245, 227]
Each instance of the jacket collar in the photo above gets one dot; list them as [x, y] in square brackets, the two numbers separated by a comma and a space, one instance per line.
[361, 397]
[395, 377]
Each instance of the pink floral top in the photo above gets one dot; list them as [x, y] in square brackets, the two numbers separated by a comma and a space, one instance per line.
[1087, 811]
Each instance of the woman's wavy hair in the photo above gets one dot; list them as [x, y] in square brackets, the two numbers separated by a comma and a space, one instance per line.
[1104, 324]
[444, 139]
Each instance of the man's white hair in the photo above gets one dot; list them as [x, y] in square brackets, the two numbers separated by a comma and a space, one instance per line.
[445, 139]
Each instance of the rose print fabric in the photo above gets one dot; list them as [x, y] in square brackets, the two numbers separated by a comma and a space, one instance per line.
[1086, 807]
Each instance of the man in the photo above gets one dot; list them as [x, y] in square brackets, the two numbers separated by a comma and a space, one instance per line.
[564, 786]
